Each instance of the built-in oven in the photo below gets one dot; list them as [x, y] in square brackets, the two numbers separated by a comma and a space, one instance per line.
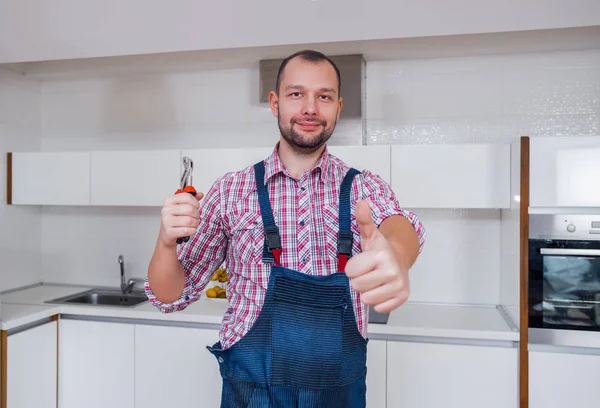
[564, 279]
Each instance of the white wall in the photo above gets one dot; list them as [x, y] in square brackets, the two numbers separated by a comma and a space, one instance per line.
[20, 232]
[413, 101]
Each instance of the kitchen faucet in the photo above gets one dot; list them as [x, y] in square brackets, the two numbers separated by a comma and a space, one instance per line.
[127, 287]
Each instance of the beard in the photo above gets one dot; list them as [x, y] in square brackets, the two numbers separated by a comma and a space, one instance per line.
[305, 144]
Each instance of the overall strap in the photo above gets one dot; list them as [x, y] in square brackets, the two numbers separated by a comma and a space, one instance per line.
[345, 229]
[272, 246]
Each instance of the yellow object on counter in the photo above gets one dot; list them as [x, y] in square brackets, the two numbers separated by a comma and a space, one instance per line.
[220, 275]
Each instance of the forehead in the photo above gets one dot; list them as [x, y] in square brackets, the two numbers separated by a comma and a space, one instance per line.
[309, 74]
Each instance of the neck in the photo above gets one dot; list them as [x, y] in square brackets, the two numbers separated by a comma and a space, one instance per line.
[297, 163]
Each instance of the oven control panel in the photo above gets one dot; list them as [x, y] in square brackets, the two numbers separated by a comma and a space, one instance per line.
[564, 226]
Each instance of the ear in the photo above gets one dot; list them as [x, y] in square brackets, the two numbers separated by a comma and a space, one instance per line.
[341, 103]
[274, 103]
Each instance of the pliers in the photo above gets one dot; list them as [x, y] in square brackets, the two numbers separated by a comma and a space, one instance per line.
[186, 185]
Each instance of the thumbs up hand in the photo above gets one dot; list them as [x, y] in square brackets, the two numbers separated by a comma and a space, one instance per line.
[377, 273]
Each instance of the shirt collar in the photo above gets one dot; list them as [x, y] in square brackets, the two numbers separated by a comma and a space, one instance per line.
[274, 165]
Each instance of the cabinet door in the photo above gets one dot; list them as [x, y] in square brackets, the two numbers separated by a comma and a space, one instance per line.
[31, 367]
[452, 175]
[564, 171]
[374, 158]
[376, 373]
[95, 364]
[558, 380]
[451, 376]
[210, 164]
[134, 178]
[51, 178]
[173, 368]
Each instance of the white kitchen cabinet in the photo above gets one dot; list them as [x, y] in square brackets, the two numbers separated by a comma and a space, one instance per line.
[375, 158]
[427, 375]
[31, 367]
[95, 364]
[51, 178]
[173, 368]
[560, 379]
[564, 171]
[211, 164]
[451, 175]
[134, 178]
[376, 373]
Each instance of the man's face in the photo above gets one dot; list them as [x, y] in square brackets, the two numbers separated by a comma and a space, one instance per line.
[308, 105]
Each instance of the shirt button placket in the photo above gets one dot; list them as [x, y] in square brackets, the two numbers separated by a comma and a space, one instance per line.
[303, 222]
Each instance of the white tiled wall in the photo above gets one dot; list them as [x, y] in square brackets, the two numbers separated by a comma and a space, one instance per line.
[427, 101]
[20, 261]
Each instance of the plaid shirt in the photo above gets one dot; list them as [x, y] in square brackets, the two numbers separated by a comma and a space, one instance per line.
[306, 212]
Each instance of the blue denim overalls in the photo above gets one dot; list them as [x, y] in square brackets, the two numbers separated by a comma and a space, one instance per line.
[304, 350]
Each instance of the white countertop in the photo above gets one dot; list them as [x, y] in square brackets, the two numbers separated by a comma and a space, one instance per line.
[412, 319]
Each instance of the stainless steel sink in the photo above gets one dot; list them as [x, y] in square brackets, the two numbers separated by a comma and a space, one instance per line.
[99, 297]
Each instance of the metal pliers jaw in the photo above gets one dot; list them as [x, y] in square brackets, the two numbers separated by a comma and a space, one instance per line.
[186, 185]
[186, 177]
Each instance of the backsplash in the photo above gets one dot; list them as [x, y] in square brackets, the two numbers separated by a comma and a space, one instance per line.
[488, 99]
[20, 227]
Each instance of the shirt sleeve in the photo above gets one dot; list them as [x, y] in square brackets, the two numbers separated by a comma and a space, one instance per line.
[384, 204]
[201, 255]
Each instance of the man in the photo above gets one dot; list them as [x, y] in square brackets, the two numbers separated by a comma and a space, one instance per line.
[309, 243]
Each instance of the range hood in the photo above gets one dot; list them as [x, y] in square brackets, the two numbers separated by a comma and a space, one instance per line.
[352, 71]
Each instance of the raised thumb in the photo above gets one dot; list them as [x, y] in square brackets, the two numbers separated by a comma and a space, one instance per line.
[366, 225]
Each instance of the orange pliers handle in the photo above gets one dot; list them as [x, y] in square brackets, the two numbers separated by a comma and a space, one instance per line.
[191, 190]
[187, 189]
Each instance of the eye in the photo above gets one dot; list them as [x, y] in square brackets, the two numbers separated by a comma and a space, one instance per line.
[295, 94]
[326, 97]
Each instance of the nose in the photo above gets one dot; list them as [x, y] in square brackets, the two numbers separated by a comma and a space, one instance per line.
[310, 106]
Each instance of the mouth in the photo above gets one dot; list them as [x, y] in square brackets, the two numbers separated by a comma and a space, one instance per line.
[309, 125]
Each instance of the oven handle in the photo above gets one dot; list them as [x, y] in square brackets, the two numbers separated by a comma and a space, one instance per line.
[569, 251]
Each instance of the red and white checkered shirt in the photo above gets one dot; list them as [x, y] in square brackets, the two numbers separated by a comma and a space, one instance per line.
[306, 212]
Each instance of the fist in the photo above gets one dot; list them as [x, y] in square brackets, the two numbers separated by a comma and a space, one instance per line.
[376, 273]
[179, 217]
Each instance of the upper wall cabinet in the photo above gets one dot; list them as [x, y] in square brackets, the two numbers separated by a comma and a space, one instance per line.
[374, 158]
[134, 178]
[210, 164]
[565, 171]
[38, 30]
[51, 178]
[428, 176]
[451, 175]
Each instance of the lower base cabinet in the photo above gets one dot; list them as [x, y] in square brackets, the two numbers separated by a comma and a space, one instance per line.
[125, 365]
[562, 379]
[31, 367]
[96, 364]
[376, 373]
[427, 375]
[173, 368]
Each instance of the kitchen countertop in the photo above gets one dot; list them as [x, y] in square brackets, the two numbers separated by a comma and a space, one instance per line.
[472, 322]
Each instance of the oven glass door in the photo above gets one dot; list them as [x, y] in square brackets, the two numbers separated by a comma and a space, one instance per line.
[565, 285]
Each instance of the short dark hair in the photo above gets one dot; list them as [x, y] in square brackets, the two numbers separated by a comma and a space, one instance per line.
[310, 56]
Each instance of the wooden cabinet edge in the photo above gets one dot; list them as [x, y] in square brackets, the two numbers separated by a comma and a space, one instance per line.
[524, 272]
[54, 318]
[3, 368]
[4, 363]
[9, 178]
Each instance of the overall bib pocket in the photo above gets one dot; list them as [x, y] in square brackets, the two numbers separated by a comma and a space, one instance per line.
[307, 327]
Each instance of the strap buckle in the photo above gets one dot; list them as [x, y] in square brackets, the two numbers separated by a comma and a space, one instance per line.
[272, 237]
[345, 242]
